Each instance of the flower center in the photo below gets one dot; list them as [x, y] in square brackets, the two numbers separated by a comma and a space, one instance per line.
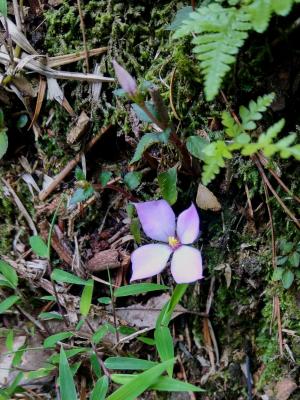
[173, 242]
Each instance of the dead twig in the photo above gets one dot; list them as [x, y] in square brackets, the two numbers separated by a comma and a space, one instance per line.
[82, 27]
[71, 165]
[281, 183]
[64, 59]
[276, 302]
[267, 182]
[21, 207]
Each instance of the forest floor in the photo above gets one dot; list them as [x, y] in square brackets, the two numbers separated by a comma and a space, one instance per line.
[67, 171]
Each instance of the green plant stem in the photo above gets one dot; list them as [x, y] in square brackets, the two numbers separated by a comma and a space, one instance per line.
[113, 306]
[173, 136]
[49, 260]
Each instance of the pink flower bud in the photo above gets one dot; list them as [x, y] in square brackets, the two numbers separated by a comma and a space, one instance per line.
[126, 81]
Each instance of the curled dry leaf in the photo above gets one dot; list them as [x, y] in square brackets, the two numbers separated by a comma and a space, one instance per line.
[79, 129]
[145, 315]
[206, 200]
[107, 259]
[284, 388]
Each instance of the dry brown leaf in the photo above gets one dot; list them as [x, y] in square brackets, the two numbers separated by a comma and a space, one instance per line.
[206, 200]
[285, 388]
[39, 101]
[79, 129]
[6, 359]
[145, 315]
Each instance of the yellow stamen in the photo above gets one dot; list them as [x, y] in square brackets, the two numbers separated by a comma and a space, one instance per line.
[173, 242]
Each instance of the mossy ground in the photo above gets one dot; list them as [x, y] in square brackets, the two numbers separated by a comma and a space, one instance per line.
[242, 311]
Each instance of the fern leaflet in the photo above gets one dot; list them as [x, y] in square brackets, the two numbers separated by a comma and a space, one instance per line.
[222, 31]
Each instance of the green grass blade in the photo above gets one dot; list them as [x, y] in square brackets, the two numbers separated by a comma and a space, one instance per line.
[67, 385]
[140, 383]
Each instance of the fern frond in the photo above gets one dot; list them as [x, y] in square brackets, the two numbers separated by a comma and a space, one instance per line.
[282, 7]
[215, 153]
[266, 143]
[220, 32]
[253, 112]
[260, 12]
[248, 116]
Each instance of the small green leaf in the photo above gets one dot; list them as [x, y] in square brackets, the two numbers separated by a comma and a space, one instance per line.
[146, 340]
[100, 389]
[86, 298]
[7, 303]
[135, 230]
[120, 93]
[294, 259]
[3, 9]
[67, 385]
[59, 275]
[196, 145]
[54, 359]
[164, 345]
[3, 143]
[51, 341]
[9, 273]
[140, 383]
[22, 121]
[95, 365]
[39, 373]
[18, 356]
[280, 260]
[141, 113]
[128, 363]
[81, 194]
[38, 245]
[162, 384]
[148, 140]
[79, 175]
[181, 15]
[9, 341]
[167, 182]
[138, 288]
[105, 177]
[277, 274]
[101, 332]
[133, 179]
[287, 279]
[104, 300]
[50, 315]
[126, 330]
[49, 298]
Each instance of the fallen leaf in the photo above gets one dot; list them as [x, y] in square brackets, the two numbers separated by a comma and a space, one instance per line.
[285, 388]
[145, 315]
[206, 200]
[6, 359]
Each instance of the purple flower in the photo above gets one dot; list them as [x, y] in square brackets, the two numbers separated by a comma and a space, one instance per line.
[126, 81]
[158, 222]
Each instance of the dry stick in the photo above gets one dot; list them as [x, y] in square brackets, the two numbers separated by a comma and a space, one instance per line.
[256, 160]
[71, 165]
[266, 180]
[83, 35]
[281, 183]
[17, 14]
[276, 298]
[20, 206]
[105, 370]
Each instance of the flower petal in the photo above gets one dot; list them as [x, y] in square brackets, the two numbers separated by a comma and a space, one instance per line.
[157, 219]
[188, 225]
[126, 81]
[149, 260]
[186, 265]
